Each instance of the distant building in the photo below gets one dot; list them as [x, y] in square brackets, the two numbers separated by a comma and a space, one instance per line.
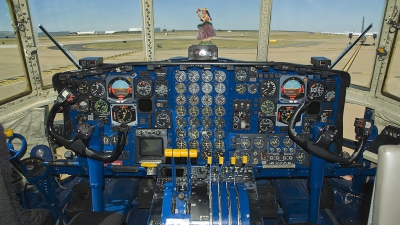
[7, 34]
[157, 29]
[56, 33]
[109, 32]
[85, 32]
[135, 29]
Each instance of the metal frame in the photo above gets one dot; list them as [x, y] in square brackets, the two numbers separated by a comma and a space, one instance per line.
[264, 30]
[148, 29]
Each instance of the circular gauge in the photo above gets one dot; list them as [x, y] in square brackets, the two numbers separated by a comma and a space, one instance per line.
[206, 99]
[219, 133]
[121, 88]
[219, 144]
[114, 139]
[194, 111]
[205, 154]
[219, 111]
[265, 125]
[330, 96]
[180, 99]
[180, 88]
[240, 89]
[194, 100]
[194, 134]
[252, 88]
[97, 89]
[105, 139]
[287, 142]
[83, 105]
[206, 111]
[84, 130]
[181, 122]
[161, 90]
[180, 110]
[83, 87]
[194, 144]
[180, 133]
[101, 106]
[245, 143]
[241, 75]
[206, 122]
[206, 133]
[180, 76]
[219, 122]
[268, 88]
[274, 142]
[207, 88]
[301, 157]
[194, 122]
[220, 88]
[316, 90]
[163, 120]
[206, 144]
[144, 88]
[194, 76]
[180, 143]
[220, 76]
[284, 114]
[207, 76]
[124, 115]
[220, 99]
[267, 107]
[259, 143]
[194, 88]
[292, 88]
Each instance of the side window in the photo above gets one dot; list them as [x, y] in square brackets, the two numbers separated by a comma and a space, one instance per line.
[392, 82]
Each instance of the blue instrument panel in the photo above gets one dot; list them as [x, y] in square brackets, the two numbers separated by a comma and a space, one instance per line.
[222, 109]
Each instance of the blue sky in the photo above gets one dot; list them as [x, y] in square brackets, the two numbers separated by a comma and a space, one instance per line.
[297, 15]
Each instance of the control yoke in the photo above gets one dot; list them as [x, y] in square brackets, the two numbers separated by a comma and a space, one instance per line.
[328, 134]
[80, 145]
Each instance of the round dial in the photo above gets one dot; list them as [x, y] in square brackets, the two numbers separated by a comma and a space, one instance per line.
[124, 115]
[163, 119]
[219, 133]
[180, 143]
[84, 130]
[121, 88]
[219, 144]
[83, 105]
[207, 76]
[219, 111]
[194, 122]
[101, 106]
[144, 88]
[180, 133]
[83, 87]
[161, 89]
[274, 142]
[194, 144]
[194, 111]
[241, 75]
[206, 133]
[287, 142]
[207, 88]
[180, 76]
[265, 125]
[180, 110]
[267, 107]
[194, 88]
[245, 143]
[330, 96]
[206, 99]
[194, 99]
[206, 111]
[194, 133]
[194, 76]
[301, 157]
[292, 88]
[240, 89]
[206, 144]
[181, 122]
[220, 99]
[316, 90]
[268, 88]
[284, 114]
[252, 88]
[180, 99]
[219, 122]
[206, 122]
[180, 88]
[105, 139]
[259, 143]
[97, 89]
[220, 88]
[220, 76]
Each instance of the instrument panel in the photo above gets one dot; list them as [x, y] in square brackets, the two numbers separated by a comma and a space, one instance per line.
[230, 112]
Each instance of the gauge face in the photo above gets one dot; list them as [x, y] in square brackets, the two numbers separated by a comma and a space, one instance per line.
[180, 110]
[181, 122]
[240, 89]
[265, 125]
[284, 114]
[124, 115]
[207, 76]
[180, 76]
[220, 88]
[206, 111]
[194, 100]
[207, 88]
[287, 142]
[194, 76]
[194, 88]
[83, 105]
[180, 143]
[301, 157]
[292, 88]
[97, 89]
[161, 89]
[194, 144]
[330, 96]
[268, 88]
[267, 107]
[245, 143]
[316, 90]
[180, 133]
[206, 122]
[241, 75]
[194, 111]
[220, 99]
[219, 144]
[219, 133]
[219, 111]
[259, 143]
[206, 144]
[180, 88]
[194, 122]
[83, 87]
[274, 142]
[144, 88]
[180, 99]
[206, 99]
[194, 133]
[101, 106]
[84, 130]
[163, 120]
[252, 88]
[120, 88]
[219, 122]
[206, 133]
[220, 76]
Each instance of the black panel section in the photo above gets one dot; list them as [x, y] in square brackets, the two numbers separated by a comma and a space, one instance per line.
[81, 199]
[255, 214]
[327, 199]
[199, 202]
[267, 199]
[146, 193]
